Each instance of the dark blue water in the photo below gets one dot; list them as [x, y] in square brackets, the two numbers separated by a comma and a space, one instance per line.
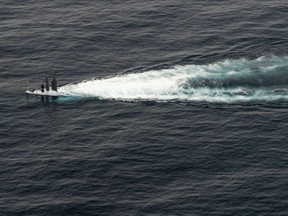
[164, 108]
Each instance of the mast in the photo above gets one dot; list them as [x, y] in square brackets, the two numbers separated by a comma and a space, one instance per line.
[47, 85]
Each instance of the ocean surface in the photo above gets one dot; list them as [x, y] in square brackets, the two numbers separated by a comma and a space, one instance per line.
[164, 107]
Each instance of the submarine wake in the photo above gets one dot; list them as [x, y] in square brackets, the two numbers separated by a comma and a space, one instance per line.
[261, 79]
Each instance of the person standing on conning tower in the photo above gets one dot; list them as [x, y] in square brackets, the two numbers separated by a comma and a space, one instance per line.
[42, 88]
[47, 85]
[54, 84]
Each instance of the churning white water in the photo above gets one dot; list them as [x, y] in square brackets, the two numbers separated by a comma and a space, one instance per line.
[265, 78]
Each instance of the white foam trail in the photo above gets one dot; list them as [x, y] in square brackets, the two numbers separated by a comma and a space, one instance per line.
[226, 81]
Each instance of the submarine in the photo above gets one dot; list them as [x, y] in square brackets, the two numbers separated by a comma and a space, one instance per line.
[46, 90]
[47, 86]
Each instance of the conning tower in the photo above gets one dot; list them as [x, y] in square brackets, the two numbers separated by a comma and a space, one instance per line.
[54, 84]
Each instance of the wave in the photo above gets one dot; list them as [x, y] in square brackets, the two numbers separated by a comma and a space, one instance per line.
[264, 79]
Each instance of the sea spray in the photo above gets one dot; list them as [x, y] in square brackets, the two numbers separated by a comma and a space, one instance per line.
[264, 78]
